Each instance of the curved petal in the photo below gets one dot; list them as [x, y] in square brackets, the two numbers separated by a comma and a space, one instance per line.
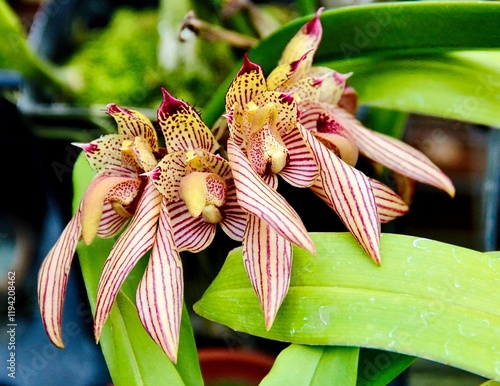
[283, 72]
[234, 218]
[286, 109]
[305, 40]
[389, 204]
[257, 198]
[395, 154]
[268, 260]
[53, 279]
[137, 239]
[350, 194]
[167, 175]
[93, 200]
[160, 293]
[182, 126]
[248, 82]
[301, 170]
[133, 123]
[111, 222]
[192, 234]
[104, 153]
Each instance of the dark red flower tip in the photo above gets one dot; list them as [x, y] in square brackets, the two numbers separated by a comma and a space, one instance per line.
[170, 105]
[248, 66]
[113, 108]
[313, 27]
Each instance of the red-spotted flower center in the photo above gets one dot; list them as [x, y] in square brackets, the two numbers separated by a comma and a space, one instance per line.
[265, 149]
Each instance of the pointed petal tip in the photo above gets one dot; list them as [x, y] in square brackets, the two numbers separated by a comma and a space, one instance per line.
[248, 66]
[313, 27]
[169, 105]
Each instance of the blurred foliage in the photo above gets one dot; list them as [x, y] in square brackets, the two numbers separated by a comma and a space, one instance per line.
[128, 71]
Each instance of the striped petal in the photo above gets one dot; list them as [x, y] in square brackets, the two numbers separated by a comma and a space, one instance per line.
[111, 222]
[307, 39]
[248, 82]
[92, 203]
[260, 200]
[301, 170]
[389, 204]
[234, 218]
[53, 279]
[395, 154]
[133, 124]
[135, 241]
[350, 194]
[159, 296]
[192, 234]
[268, 260]
[182, 126]
[317, 118]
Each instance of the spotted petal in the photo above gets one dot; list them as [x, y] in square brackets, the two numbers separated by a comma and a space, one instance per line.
[160, 293]
[260, 200]
[133, 123]
[135, 241]
[248, 82]
[182, 126]
[283, 72]
[268, 260]
[395, 154]
[104, 153]
[53, 279]
[350, 194]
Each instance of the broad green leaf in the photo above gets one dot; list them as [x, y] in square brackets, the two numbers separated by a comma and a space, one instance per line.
[378, 367]
[428, 299]
[463, 85]
[490, 383]
[494, 253]
[133, 358]
[376, 33]
[301, 365]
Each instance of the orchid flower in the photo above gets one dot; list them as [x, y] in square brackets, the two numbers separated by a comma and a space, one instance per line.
[189, 191]
[108, 204]
[266, 139]
[326, 106]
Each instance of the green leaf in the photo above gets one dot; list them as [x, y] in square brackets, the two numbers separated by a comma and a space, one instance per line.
[314, 366]
[428, 299]
[359, 37]
[378, 367]
[133, 358]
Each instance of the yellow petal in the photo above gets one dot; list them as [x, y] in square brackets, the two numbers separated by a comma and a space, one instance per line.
[248, 82]
[305, 40]
[182, 126]
[133, 124]
[193, 191]
[92, 203]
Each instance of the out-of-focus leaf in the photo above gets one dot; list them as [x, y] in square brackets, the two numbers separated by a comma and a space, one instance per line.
[16, 55]
[372, 37]
[428, 299]
[133, 358]
[314, 366]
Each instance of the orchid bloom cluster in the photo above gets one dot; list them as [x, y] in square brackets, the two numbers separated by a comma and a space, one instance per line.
[297, 123]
